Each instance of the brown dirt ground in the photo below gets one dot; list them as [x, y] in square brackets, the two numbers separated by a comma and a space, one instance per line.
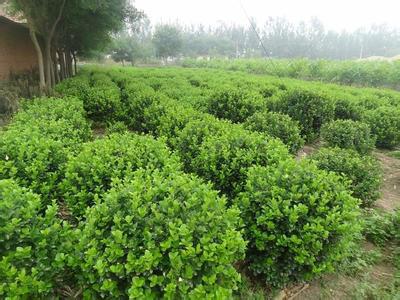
[307, 150]
[390, 199]
[99, 132]
[337, 286]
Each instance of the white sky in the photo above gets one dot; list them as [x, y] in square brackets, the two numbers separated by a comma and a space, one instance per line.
[335, 14]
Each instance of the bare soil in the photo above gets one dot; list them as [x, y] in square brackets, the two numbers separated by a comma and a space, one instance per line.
[390, 199]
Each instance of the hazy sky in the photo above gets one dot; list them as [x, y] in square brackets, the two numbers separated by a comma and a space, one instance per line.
[335, 14]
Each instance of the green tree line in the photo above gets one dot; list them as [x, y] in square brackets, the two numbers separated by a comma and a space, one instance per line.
[277, 37]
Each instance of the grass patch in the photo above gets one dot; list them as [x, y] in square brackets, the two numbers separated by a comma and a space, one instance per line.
[395, 154]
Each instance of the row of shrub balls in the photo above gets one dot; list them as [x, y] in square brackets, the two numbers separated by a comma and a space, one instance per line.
[170, 210]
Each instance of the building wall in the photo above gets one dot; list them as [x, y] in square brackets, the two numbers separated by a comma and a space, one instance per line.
[17, 52]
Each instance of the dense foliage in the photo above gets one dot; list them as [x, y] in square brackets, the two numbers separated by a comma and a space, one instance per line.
[225, 158]
[192, 136]
[91, 173]
[299, 221]
[358, 73]
[35, 147]
[234, 104]
[277, 125]
[280, 39]
[349, 134]
[138, 222]
[161, 236]
[32, 244]
[311, 109]
[363, 171]
[385, 124]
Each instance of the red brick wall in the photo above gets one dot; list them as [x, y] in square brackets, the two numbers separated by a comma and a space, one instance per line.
[17, 52]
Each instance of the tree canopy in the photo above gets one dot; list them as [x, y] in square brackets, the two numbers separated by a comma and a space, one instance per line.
[167, 41]
[62, 29]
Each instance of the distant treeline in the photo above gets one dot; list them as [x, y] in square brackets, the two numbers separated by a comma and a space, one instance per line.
[359, 73]
[277, 38]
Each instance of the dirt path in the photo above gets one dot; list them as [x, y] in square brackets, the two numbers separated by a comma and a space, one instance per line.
[390, 199]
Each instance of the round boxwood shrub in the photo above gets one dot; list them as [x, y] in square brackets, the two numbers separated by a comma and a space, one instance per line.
[364, 171]
[89, 174]
[311, 109]
[348, 134]
[161, 236]
[347, 110]
[31, 245]
[75, 86]
[277, 125]
[299, 221]
[193, 134]
[385, 124]
[167, 119]
[102, 103]
[135, 99]
[34, 161]
[62, 119]
[234, 104]
[224, 159]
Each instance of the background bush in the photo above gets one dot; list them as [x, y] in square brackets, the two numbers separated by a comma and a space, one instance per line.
[135, 99]
[364, 172]
[102, 103]
[234, 104]
[35, 146]
[75, 86]
[34, 161]
[169, 118]
[32, 245]
[61, 119]
[224, 159]
[346, 109]
[191, 137]
[349, 135]
[161, 236]
[279, 126]
[385, 124]
[311, 109]
[299, 221]
[91, 173]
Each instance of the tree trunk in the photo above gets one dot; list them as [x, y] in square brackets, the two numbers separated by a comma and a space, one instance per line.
[42, 82]
[55, 64]
[75, 68]
[61, 58]
[69, 62]
[48, 41]
[48, 63]
[52, 75]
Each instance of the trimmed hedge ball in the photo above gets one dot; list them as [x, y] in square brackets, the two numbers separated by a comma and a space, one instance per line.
[299, 221]
[92, 172]
[349, 135]
[161, 236]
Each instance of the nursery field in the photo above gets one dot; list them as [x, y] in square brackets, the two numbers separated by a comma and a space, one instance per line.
[358, 73]
[183, 183]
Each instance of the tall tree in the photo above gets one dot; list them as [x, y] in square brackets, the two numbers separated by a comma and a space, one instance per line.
[69, 28]
[167, 40]
[42, 17]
